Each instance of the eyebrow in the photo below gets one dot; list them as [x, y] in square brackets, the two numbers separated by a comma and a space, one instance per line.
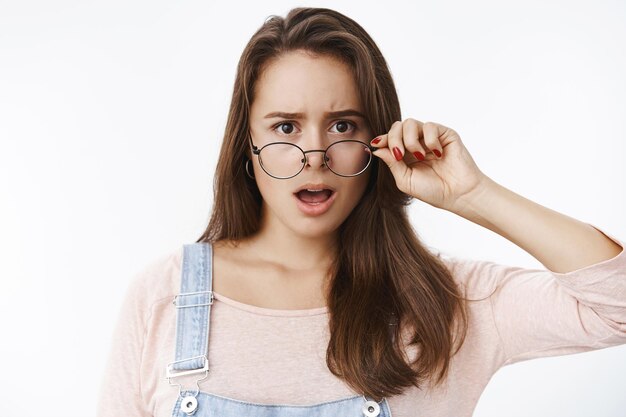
[340, 113]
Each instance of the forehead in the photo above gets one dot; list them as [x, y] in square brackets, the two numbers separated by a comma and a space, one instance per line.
[299, 82]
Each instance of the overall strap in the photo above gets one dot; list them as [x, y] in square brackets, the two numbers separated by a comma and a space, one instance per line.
[193, 309]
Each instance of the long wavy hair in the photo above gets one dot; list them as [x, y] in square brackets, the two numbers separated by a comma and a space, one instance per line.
[383, 279]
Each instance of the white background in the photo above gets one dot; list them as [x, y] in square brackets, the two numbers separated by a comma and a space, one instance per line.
[112, 114]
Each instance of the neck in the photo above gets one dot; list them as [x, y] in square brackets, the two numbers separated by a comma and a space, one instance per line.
[276, 243]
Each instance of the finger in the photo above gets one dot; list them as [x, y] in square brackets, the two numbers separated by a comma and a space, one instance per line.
[411, 135]
[394, 140]
[398, 168]
[379, 141]
[431, 138]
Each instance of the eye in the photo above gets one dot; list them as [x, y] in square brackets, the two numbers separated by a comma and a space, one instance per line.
[287, 127]
[283, 124]
[345, 122]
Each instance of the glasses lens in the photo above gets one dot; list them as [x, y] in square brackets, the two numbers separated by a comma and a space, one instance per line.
[284, 160]
[348, 158]
[281, 160]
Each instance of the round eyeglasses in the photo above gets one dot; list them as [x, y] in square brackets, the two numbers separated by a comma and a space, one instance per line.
[346, 158]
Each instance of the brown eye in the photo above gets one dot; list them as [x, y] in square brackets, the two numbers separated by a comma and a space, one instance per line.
[343, 126]
[282, 129]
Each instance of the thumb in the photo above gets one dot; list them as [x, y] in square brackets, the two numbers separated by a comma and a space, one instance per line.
[398, 168]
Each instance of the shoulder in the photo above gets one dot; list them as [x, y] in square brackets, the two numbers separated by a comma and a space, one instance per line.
[157, 279]
[477, 276]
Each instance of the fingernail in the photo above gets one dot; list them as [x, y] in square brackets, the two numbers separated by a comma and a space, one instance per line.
[419, 156]
[375, 141]
[397, 153]
[436, 152]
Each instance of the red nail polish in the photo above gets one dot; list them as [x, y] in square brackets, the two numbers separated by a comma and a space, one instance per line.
[397, 153]
[436, 152]
[375, 141]
[419, 156]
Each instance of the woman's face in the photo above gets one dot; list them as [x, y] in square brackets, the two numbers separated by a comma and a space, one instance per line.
[296, 82]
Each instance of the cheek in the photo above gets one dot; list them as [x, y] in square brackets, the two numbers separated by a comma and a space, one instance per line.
[353, 191]
[275, 192]
[269, 191]
[360, 183]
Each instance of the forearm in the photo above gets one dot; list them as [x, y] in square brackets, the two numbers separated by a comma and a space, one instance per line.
[561, 243]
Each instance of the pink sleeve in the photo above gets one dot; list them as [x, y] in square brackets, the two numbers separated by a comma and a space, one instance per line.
[537, 312]
[120, 389]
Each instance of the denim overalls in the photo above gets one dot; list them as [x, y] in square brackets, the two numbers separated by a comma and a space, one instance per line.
[193, 305]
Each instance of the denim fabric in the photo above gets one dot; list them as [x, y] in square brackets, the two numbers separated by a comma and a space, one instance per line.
[217, 406]
[192, 331]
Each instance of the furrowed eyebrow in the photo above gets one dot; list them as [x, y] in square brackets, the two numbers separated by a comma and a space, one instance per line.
[332, 114]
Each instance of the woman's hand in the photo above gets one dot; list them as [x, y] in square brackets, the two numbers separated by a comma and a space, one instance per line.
[447, 173]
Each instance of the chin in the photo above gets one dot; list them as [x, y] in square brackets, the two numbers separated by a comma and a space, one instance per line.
[312, 230]
[316, 227]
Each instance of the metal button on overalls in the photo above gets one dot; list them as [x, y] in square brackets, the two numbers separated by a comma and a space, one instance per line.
[371, 409]
[189, 405]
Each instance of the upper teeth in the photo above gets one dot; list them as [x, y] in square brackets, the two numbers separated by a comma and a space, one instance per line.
[314, 190]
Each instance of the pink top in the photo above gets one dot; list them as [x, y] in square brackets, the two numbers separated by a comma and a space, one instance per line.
[278, 356]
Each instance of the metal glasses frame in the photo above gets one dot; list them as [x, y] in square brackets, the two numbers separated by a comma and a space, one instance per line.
[257, 151]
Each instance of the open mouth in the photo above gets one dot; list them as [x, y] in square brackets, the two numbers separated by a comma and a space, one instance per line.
[314, 197]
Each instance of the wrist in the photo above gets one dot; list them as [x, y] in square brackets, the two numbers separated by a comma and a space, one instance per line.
[470, 205]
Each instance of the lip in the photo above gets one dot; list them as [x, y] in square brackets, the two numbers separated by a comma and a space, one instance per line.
[313, 186]
[315, 209]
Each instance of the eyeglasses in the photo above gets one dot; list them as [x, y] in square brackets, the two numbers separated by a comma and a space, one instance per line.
[346, 158]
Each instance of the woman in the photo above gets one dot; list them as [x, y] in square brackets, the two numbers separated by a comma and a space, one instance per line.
[315, 293]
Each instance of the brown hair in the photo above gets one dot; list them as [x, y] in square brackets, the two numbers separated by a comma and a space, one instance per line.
[382, 277]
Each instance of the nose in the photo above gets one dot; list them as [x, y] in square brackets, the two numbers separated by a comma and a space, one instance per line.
[314, 148]
[314, 158]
